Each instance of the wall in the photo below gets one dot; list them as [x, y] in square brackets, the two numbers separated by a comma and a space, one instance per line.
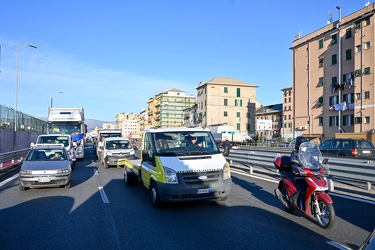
[23, 139]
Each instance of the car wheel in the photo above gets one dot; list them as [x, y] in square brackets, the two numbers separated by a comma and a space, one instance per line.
[128, 177]
[154, 195]
[22, 188]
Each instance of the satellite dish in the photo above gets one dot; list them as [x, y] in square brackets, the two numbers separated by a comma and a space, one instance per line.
[367, 4]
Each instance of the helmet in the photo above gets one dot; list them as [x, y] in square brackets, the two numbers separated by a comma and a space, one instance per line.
[299, 141]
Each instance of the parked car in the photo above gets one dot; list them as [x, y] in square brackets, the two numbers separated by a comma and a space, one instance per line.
[114, 149]
[347, 147]
[45, 166]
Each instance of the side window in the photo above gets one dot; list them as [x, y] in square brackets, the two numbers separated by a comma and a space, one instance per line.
[336, 144]
[346, 144]
[326, 144]
[148, 146]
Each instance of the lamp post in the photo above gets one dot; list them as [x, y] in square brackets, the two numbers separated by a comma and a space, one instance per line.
[339, 59]
[60, 92]
[15, 116]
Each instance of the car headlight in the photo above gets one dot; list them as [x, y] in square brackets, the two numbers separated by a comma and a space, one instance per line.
[226, 171]
[170, 176]
[63, 171]
[25, 172]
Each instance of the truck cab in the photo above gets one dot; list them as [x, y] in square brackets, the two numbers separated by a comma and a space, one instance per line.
[180, 164]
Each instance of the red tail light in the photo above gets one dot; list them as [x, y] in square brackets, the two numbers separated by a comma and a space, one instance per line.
[277, 161]
[354, 152]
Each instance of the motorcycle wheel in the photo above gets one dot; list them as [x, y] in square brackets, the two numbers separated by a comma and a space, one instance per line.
[287, 208]
[327, 218]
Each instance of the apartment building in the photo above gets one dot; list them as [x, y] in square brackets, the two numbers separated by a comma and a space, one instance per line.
[227, 100]
[333, 77]
[165, 110]
[129, 124]
[286, 130]
[269, 121]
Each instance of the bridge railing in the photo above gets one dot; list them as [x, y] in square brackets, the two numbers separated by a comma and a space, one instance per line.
[10, 159]
[354, 169]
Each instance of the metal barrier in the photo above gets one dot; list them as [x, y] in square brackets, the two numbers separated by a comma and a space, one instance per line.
[10, 159]
[354, 169]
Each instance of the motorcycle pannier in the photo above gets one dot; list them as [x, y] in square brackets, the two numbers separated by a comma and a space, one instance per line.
[282, 163]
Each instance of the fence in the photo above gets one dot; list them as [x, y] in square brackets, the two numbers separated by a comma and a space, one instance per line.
[24, 122]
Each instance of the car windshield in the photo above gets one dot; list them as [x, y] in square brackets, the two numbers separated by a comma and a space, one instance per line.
[184, 143]
[46, 155]
[118, 144]
[54, 140]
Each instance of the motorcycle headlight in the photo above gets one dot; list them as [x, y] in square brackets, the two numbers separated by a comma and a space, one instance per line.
[226, 171]
[170, 176]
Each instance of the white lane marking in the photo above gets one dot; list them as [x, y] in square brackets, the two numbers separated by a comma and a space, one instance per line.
[8, 180]
[103, 195]
[333, 194]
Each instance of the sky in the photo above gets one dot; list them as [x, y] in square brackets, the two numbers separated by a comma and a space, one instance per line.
[112, 56]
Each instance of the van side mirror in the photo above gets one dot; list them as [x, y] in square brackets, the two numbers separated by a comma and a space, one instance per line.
[145, 155]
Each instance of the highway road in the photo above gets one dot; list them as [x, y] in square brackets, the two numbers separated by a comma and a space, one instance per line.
[100, 212]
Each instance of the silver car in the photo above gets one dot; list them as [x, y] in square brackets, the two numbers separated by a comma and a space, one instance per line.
[46, 166]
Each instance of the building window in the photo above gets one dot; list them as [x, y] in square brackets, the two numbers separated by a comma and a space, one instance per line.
[238, 126]
[367, 21]
[320, 121]
[358, 48]
[333, 121]
[348, 33]
[238, 102]
[367, 95]
[334, 80]
[290, 117]
[347, 120]
[357, 25]
[333, 100]
[358, 120]
[367, 119]
[321, 62]
[238, 114]
[334, 39]
[334, 59]
[320, 83]
[367, 45]
[320, 102]
[358, 96]
[225, 89]
[321, 44]
[290, 99]
[348, 54]
[366, 71]
[357, 73]
[225, 102]
[225, 113]
[284, 100]
[349, 98]
[238, 92]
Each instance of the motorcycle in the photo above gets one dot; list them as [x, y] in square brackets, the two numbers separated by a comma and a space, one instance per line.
[316, 202]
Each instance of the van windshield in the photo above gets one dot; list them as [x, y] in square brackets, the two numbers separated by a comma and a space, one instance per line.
[184, 143]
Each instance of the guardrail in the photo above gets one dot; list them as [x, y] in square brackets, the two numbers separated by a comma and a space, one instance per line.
[354, 169]
[10, 159]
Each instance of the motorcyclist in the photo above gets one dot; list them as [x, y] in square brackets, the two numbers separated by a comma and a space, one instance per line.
[299, 181]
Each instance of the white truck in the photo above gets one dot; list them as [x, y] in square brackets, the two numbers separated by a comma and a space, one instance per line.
[179, 164]
[69, 121]
[223, 132]
[101, 135]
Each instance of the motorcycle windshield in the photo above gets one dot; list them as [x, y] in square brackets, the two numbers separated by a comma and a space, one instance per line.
[309, 155]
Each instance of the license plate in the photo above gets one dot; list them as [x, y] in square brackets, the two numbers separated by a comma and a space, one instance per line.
[44, 179]
[203, 191]
[366, 151]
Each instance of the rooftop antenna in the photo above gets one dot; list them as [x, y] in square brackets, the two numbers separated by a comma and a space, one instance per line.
[330, 19]
[367, 4]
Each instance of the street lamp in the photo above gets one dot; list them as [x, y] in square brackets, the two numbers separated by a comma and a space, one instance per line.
[60, 92]
[339, 59]
[15, 116]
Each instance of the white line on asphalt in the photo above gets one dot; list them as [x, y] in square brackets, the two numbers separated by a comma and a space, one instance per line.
[8, 180]
[333, 194]
[103, 195]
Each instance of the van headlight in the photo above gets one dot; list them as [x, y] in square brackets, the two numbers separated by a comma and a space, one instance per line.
[226, 171]
[170, 176]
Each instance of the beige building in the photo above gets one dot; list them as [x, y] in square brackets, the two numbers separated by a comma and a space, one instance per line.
[333, 77]
[227, 100]
[286, 130]
[165, 110]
